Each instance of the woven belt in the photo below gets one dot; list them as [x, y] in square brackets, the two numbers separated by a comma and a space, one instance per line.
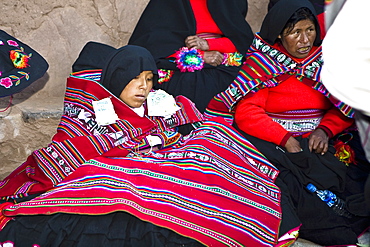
[298, 122]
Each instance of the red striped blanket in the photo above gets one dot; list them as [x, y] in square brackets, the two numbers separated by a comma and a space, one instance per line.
[214, 186]
[79, 137]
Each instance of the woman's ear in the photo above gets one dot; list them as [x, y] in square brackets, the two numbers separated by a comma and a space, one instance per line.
[279, 36]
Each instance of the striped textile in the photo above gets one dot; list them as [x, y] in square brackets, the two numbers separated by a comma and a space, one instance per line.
[268, 67]
[79, 137]
[214, 187]
[209, 35]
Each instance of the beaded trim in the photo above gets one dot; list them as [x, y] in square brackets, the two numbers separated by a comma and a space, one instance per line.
[232, 59]
[298, 122]
[190, 60]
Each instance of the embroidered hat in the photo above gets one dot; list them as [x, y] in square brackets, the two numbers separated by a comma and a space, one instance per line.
[20, 65]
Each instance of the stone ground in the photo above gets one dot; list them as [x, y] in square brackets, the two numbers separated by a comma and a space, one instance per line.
[24, 128]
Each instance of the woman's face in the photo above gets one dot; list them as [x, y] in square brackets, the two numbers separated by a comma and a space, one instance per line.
[137, 90]
[299, 41]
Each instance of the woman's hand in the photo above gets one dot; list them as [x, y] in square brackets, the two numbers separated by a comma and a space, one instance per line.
[292, 145]
[318, 141]
[197, 43]
[213, 58]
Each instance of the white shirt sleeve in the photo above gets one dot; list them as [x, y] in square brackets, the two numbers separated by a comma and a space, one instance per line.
[346, 53]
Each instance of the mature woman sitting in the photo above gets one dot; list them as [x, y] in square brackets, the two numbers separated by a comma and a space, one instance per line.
[198, 45]
[279, 103]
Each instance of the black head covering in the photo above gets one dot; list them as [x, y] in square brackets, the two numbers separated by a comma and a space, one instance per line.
[319, 5]
[20, 65]
[278, 16]
[125, 64]
[164, 26]
[94, 55]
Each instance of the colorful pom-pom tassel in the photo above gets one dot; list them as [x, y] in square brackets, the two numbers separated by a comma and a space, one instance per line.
[344, 152]
[189, 60]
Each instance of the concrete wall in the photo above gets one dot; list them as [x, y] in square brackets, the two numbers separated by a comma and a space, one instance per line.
[58, 29]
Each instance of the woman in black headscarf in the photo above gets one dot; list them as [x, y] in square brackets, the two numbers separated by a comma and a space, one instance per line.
[105, 102]
[319, 6]
[124, 66]
[217, 29]
[279, 103]
[110, 76]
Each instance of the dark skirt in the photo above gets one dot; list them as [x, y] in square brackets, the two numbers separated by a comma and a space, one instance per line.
[200, 86]
[320, 224]
[115, 229]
